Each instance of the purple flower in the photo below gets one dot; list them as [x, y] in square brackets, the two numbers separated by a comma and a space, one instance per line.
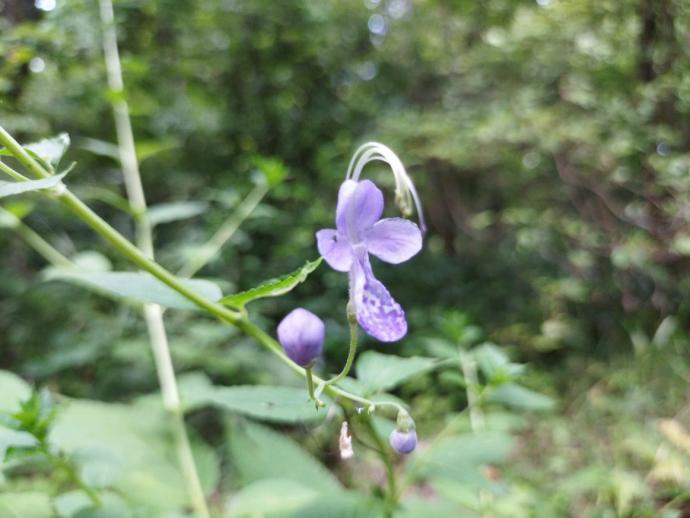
[360, 231]
[403, 442]
[301, 334]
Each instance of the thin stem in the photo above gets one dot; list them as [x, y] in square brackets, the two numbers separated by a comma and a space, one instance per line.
[469, 371]
[351, 352]
[392, 493]
[45, 249]
[126, 248]
[66, 466]
[209, 250]
[310, 388]
[116, 239]
[153, 314]
[14, 174]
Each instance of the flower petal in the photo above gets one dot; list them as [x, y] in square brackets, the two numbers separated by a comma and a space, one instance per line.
[347, 189]
[394, 240]
[358, 209]
[334, 248]
[377, 312]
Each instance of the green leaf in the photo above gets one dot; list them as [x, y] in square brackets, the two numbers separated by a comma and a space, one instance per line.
[272, 170]
[263, 497]
[174, 211]
[25, 505]
[137, 286]
[127, 447]
[495, 364]
[273, 287]
[150, 148]
[196, 390]
[279, 404]
[344, 504]
[13, 390]
[461, 457]
[100, 148]
[384, 371]
[259, 453]
[76, 504]
[12, 188]
[15, 439]
[518, 396]
[50, 150]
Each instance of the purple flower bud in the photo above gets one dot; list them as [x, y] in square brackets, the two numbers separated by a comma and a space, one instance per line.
[403, 442]
[301, 334]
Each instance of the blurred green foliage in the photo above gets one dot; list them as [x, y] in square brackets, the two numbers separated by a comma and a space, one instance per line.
[550, 143]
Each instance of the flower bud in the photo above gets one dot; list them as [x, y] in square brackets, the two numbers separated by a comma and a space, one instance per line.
[404, 438]
[301, 334]
[403, 442]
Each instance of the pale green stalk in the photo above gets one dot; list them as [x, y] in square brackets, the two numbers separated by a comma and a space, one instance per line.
[468, 365]
[153, 314]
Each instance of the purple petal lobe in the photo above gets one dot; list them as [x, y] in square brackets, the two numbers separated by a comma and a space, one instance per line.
[301, 333]
[377, 312]
[359, 210]
[345, 192]
[334, 248]
[394, 240]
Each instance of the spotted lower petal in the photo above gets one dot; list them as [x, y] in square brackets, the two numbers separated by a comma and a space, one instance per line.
[377, 312]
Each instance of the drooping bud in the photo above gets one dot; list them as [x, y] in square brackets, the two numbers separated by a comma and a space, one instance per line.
[301, 333]
[404, 438]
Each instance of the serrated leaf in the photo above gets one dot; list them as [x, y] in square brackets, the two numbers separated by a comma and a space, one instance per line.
[272, 287]
[258, 453]
[279, 404]
[379, 372]
[12, 188]
[50, 150]
[174, 211]
[137, 286]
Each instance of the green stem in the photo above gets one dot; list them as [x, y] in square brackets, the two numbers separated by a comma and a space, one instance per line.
[67, 467]
[14, 174]
[45, 249]
[117, 240]
[382, 449]
[468, 366]
[130, 251]
[352, 321]
[310, 388]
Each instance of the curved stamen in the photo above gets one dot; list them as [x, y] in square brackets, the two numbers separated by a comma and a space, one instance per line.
[405, 192]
